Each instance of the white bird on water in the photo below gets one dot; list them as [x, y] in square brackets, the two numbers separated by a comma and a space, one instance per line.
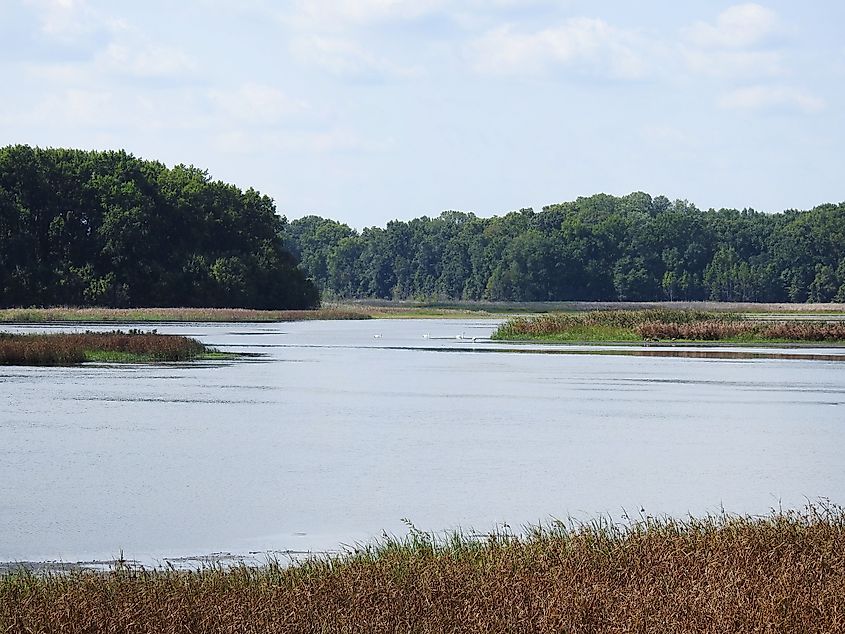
[376, 336]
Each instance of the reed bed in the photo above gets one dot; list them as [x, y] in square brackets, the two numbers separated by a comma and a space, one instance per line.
[784, 572]
[39, 315]
[743, 330]
[69, 349]
[667, 325]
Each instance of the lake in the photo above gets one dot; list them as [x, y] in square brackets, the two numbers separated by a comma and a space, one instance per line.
[342, 429]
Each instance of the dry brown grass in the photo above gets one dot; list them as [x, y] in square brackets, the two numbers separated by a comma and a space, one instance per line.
[715, 330]
[71, 348]
[124, 315]
[601, 325]
[781, 573]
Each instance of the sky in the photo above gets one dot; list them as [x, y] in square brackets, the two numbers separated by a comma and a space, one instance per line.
[372, 110]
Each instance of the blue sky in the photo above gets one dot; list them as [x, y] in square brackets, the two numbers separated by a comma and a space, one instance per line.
[369, 110]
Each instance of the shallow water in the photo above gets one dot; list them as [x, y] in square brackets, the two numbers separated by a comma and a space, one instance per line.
[344, 428]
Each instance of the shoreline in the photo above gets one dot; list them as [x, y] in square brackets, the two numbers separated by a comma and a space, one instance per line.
[397, 309]
[75, 315]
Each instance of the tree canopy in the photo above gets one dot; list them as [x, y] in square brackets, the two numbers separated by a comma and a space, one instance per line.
[634, 247]
[108, 229]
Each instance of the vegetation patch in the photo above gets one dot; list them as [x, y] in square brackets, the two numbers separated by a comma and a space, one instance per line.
[129, 315]
[784, 572]
[666, 325]
[116, 346]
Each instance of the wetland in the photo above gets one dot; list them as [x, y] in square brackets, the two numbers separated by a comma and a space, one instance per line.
[339, 429]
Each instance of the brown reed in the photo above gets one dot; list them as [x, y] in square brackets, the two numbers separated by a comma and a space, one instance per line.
[780, 573]
[71, 348]
[660, 325]
[603, 323]
[714, 330]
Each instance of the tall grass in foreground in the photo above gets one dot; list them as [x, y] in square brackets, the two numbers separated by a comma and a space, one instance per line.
[661, 325]
[68, 349]
[38, 315]
[780, 573]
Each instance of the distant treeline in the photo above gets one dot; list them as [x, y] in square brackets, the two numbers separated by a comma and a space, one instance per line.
[602, 247]
[108, 229]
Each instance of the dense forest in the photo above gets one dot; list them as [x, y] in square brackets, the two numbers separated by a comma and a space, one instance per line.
[601, 247]
[108, 229]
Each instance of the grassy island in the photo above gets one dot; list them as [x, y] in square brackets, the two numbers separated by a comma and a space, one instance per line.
[667, 325]
[784, 572]
[117, 346]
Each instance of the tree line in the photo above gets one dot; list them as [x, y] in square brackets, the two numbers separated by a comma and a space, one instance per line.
[629, 248]
[108, 229]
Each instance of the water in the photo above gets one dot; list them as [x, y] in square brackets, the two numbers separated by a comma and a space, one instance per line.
[344, 428]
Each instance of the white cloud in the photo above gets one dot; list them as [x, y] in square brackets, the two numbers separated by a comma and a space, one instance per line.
[72, 21]
[104, 107]
[740, 26]
[342, 15]
[57, 75]
[339, 35]
[72, 107]
[84, 107]
[64, 19]
[738, 44]
[329, 141]
[257, 104]
[344, 56]
[721, 63]
[745, 45]
[112, 45]
[586, 44]
[666, 135]
[146, 60]
[772, 98]
[338, 12]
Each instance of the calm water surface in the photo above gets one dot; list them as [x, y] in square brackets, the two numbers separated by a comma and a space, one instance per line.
[344, 428]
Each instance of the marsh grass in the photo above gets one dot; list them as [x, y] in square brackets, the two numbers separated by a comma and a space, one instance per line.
[41, 315]
[784, 572]
[116, 346]
[667, 325]
[747, 330]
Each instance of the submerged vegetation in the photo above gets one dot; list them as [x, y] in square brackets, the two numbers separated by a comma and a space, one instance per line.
[116, 346]
[667, 325]
[782, 572]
